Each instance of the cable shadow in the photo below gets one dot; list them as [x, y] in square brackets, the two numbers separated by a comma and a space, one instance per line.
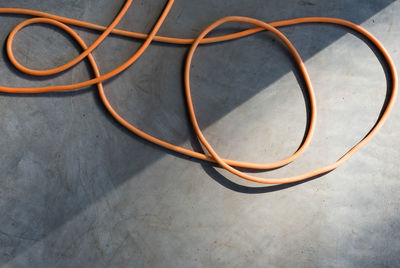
[222, 180]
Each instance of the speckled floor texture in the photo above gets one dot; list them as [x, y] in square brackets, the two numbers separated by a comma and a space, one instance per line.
[78, 190]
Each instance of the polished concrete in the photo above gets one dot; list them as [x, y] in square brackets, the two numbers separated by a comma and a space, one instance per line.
[78, 190]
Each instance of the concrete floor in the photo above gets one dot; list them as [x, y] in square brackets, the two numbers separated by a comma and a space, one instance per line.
[77, 190]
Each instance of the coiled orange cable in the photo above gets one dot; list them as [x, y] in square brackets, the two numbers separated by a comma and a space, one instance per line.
[228, 164]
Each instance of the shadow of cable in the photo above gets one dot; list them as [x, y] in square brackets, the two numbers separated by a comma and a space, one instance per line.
[222, 180]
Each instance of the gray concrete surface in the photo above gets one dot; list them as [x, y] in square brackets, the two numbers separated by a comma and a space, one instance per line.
[77, 190]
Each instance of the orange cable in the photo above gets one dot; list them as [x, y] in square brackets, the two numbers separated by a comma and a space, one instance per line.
[227, 164]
